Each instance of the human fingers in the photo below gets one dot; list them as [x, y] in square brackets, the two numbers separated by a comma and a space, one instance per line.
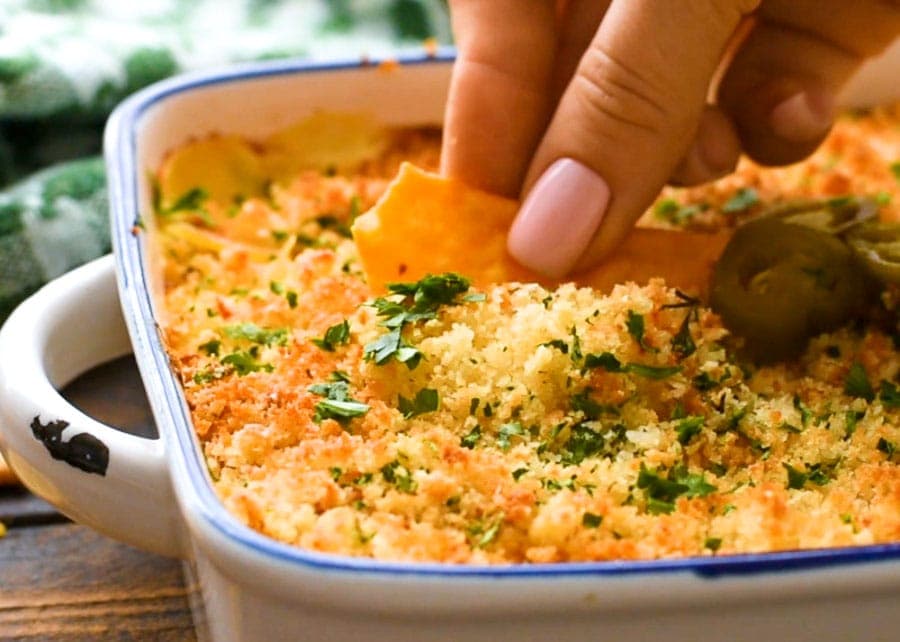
[499, 101]
[713, 153]
[780, 88]
[626, 119]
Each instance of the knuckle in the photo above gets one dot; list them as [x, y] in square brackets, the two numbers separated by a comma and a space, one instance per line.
[609, 88]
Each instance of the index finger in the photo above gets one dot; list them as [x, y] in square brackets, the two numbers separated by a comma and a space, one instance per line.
[499, 102]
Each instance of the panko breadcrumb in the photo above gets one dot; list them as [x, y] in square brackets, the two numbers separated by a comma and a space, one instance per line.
[517, 424]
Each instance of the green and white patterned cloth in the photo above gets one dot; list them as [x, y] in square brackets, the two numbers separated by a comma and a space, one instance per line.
[64, 65]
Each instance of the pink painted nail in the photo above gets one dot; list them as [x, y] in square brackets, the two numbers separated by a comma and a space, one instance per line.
[559, 217]
[803, 117]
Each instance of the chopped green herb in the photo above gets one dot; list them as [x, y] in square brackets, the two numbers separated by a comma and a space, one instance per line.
[583, 442]
[276, 287]
[426, 400]
[279, 235]
[591, 520]
[191, 200]
[291, 297]
[683, 343]
[635, 326]
[704, 382]
[743, 200]
[211, 347]
[396, 473]
[507, 431]
[857, 383]
[335, 335]
[688, 428]
[713, 543]
[482, 535]
[895, 169]
[670, 210]
[335, 472]
[518, 472]
[790, 427]
[605, 360]
[249, 331]
[889, 395]
[559, 344]
[473, 405]
[661, 492]
[469, 440]
[338, 404]
[887, 447]
[653, 372]
[421, 301]
[245, 361]
[819, 474]
[805, 413]
[577, 355]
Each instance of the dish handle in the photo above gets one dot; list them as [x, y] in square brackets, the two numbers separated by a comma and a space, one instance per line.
[109, 480]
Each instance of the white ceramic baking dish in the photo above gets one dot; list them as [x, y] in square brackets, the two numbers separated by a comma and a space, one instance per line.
[157, 495]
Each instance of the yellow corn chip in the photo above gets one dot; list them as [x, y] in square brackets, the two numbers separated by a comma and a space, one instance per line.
[427, 224]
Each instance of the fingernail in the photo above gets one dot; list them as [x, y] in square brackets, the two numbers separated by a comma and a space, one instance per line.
[559, 217]
[804, 116]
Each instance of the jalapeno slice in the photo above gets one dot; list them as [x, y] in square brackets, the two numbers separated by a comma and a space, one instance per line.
[877, 245]
[777, 284]
[832, 216]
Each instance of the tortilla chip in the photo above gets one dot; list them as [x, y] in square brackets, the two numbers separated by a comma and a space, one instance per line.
[427, 224]
[226, 168]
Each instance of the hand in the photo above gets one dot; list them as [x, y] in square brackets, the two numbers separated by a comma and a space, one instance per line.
[586, 108]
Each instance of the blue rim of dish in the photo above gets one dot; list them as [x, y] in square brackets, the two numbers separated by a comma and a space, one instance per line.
[121, 158]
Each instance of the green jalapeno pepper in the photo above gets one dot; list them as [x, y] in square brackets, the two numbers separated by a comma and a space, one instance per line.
[779, 283]
[877, 245]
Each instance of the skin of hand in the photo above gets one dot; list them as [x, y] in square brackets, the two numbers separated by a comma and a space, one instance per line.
[586, 108]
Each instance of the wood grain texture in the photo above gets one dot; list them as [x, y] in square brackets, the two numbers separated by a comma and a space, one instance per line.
[65, 582]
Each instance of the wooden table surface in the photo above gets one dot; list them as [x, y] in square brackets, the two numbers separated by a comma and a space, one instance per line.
[62, 581]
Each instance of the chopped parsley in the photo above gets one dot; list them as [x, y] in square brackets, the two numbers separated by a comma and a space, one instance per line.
[857, 383]
[688, 428]
[518, 473]
[661, 492]
[249, 331]
[583, 442]
[426, 400]
[889, 395]
[211, 347]
[635, 326]
[743, 200]
[472, 438]
[508, 431]
[887, 447]
[338, 404]
[397, 474]
[420, 302]
[591, 520]
[683, 343]
[608, 361]
[713, 543]
[482, 534]
[819, 474]
[895, 169]
[559, 344]
[246, 361]
[191, 200]
[335, 335]
[668, 209]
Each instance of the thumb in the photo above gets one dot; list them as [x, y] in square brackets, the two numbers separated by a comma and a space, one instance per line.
[623, 123]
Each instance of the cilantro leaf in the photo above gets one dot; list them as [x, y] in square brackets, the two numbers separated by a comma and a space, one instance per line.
[591, 520]
[605, 360]
[192, 199]
[653, 372]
